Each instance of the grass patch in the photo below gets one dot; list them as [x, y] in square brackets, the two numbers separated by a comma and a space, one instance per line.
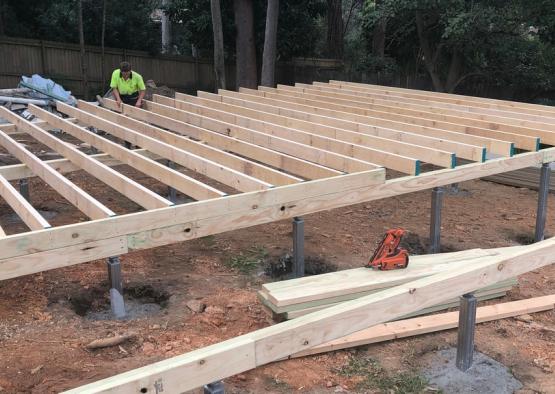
[278, 385]
[377, 377]
[248, 261]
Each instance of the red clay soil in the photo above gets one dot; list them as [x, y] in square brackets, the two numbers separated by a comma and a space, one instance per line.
[47, 319]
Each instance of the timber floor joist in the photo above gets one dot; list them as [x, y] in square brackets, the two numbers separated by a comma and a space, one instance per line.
[239, 159]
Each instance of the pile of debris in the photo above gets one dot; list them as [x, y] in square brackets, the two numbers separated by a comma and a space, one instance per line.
[35, 90]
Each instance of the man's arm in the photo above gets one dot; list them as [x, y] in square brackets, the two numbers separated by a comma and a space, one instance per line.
[142, 90]
[117, 96]
[114, 86]
[139, 102]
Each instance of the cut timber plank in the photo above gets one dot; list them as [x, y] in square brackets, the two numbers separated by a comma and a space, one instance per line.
[21, 206]
[245, 166]
[461, 149]
[524, 127]
[435, 156]
[175, 179]
[71, 192]
[276, 159]
[10, 128]
[250, 209]
[281, 340]
[307, 152]
[427, 324]
[220, 173]
[438, 103]
[375, 152]
[530, 141]
[357, 280]
[19, 171]
[128, 187]
[376, 149]
[477, 102]
[303, 308]
[440, 130]
[64, 257]
[480, 296]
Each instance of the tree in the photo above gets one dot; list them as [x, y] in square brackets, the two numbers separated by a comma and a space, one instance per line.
[464, 44]
[378, 36]
[245, 50]
[270, 44]
[166, 29]
[335, 29]
[217, 28]
[102, 41]
[85, 82]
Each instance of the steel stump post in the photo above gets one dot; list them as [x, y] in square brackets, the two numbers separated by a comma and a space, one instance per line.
[543, 193]
[435, 219]
[117, 303]
[467, 328]
[24, 188]
[172, 196]
[214, 388]
[298, 247]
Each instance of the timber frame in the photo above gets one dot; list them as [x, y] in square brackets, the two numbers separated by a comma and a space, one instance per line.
[270, 154]
[258, 156]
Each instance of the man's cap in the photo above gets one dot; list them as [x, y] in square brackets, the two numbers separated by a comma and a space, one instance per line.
[125, 66]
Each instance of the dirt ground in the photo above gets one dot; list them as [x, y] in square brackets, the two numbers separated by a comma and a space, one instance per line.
[47, 319]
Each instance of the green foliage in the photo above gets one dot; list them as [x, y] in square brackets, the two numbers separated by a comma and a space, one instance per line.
[377, 377]
[128, 24]
[249, 261]
[298, 26]
[490, 41]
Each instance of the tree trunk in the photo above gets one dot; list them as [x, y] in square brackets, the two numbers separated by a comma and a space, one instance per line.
[270, 44]
[85, 82]
[2, 18]
[430, 58]
[378, 37]
[102, 40]
[455, 69]
[166, 30]
[335, 29]
[245, 49]
[219, 61]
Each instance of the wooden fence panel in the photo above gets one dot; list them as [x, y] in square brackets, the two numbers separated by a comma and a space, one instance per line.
[62, 63]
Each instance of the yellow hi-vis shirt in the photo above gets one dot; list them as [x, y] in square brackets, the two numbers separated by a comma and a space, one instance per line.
[130, 86]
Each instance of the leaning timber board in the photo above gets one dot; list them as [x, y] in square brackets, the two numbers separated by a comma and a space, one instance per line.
[427, 324]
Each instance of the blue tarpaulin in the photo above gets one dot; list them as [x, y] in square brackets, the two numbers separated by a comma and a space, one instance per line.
[44, 88]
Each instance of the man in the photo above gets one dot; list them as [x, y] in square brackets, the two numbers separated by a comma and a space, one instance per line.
[127, 85]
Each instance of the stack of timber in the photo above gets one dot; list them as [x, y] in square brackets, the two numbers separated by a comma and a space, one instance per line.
[297, 297]
[528, 177]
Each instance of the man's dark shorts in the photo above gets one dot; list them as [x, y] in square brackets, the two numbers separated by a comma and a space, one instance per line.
[130, 99]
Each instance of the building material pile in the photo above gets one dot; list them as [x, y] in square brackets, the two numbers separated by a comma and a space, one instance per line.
[297, 297]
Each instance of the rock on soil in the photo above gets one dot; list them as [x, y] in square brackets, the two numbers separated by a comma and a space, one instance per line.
[196, 306]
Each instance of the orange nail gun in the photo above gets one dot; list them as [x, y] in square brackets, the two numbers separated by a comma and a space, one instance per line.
[388, 254]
